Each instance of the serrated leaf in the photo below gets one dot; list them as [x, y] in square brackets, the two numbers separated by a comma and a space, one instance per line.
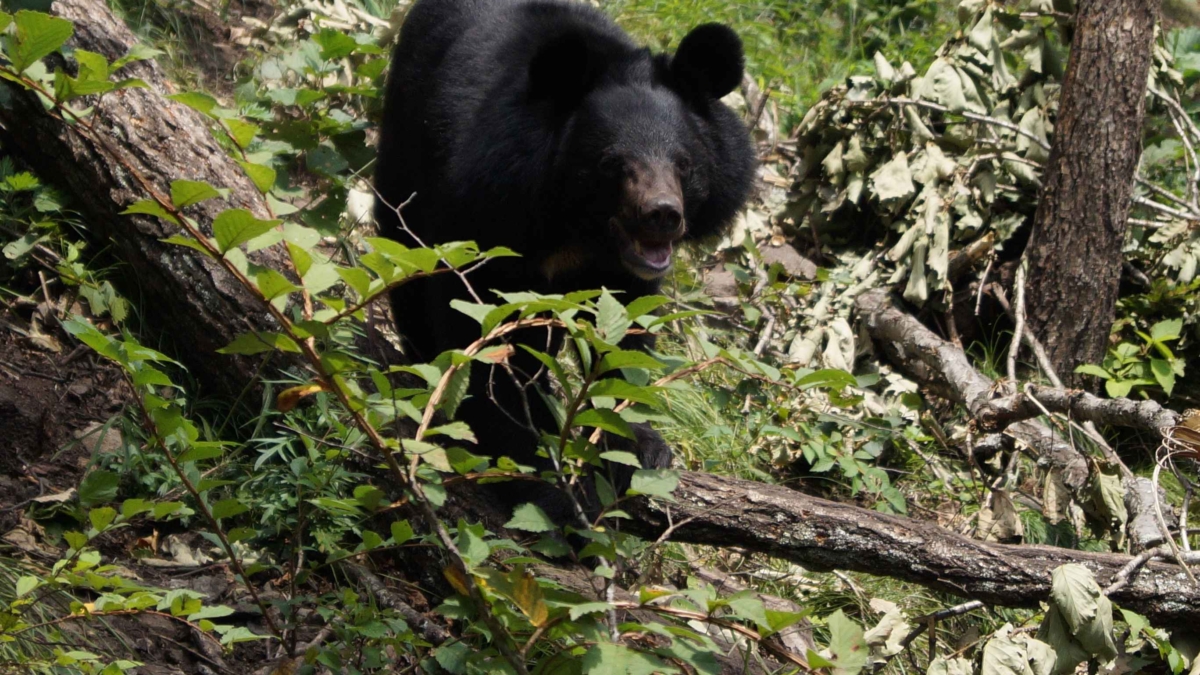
[102, 517]
[259, 342]
[583, 609]
[1075, 591]
[37, 35]
[530, 518]
[604, 419]
[234, 227]
[241, 132]
[272, 284]
[184, 193]
[612, 321]
[151, 208]
[98, 487]
[262, 175]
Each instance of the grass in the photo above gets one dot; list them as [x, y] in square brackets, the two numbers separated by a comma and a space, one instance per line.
[799, 50]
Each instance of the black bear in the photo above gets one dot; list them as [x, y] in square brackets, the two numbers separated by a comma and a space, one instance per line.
[541, 126]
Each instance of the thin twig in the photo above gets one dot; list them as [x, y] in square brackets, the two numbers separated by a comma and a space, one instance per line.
[1019, 329]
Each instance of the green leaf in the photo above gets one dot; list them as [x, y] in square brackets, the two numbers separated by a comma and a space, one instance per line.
[628, 359]
[1075, 591]
[471, 545]
[200, 451]
[259, 342]
[151, 208]
[1119, 388]
[133, 507]
[530, 518]
[262, 175]
[37, 35]
[334, 44]
[583, 609]
[452, 657]
[604, 419]
[1091, 369]
[102, 517]
[846, 643]
[92, 66]
[184, 193]
[227, 508]
[829, 378]
[98, 487]
[26, 584]
[654, 482]
[237, 226]
[138, 52]
[180, 240]
[622, 457]
[402, 532]
[645, 304]
[610, 659]
[196, 101]
[272, 284]
[1165, 331]
[621, 389]
[611, 321]
[241, 132]
[1164, 374]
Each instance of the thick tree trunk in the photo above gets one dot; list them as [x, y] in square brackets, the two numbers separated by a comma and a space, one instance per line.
[1075, 253]
[135, 138]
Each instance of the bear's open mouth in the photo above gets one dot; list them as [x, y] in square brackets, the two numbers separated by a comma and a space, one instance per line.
[647, 258]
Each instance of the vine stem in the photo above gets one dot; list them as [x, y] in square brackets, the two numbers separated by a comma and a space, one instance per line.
[503, 640]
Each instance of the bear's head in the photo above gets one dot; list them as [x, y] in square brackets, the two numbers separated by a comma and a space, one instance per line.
[645, 153]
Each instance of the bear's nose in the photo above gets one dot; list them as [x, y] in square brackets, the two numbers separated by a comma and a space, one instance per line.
[663, 215]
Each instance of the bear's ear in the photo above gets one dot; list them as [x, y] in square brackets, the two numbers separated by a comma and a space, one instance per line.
[564, 70]
[709, 61]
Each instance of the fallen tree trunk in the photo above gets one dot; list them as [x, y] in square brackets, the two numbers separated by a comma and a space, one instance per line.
[138, 139]
[945, 369]
[825, 535]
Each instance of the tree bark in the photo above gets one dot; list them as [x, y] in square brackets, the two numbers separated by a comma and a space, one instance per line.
[1074, 255]
[137, 137]
[825, 535]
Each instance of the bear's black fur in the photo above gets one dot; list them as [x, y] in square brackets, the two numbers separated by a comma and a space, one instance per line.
[540, 126]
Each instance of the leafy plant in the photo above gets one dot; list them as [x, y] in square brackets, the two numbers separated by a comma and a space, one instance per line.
[1150, 364]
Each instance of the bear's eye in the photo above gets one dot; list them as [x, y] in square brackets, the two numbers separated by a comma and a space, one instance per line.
[684, 166]
[611, 165]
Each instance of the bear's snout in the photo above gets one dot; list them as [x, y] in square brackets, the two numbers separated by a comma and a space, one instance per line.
[663, 215]
[652, 209]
